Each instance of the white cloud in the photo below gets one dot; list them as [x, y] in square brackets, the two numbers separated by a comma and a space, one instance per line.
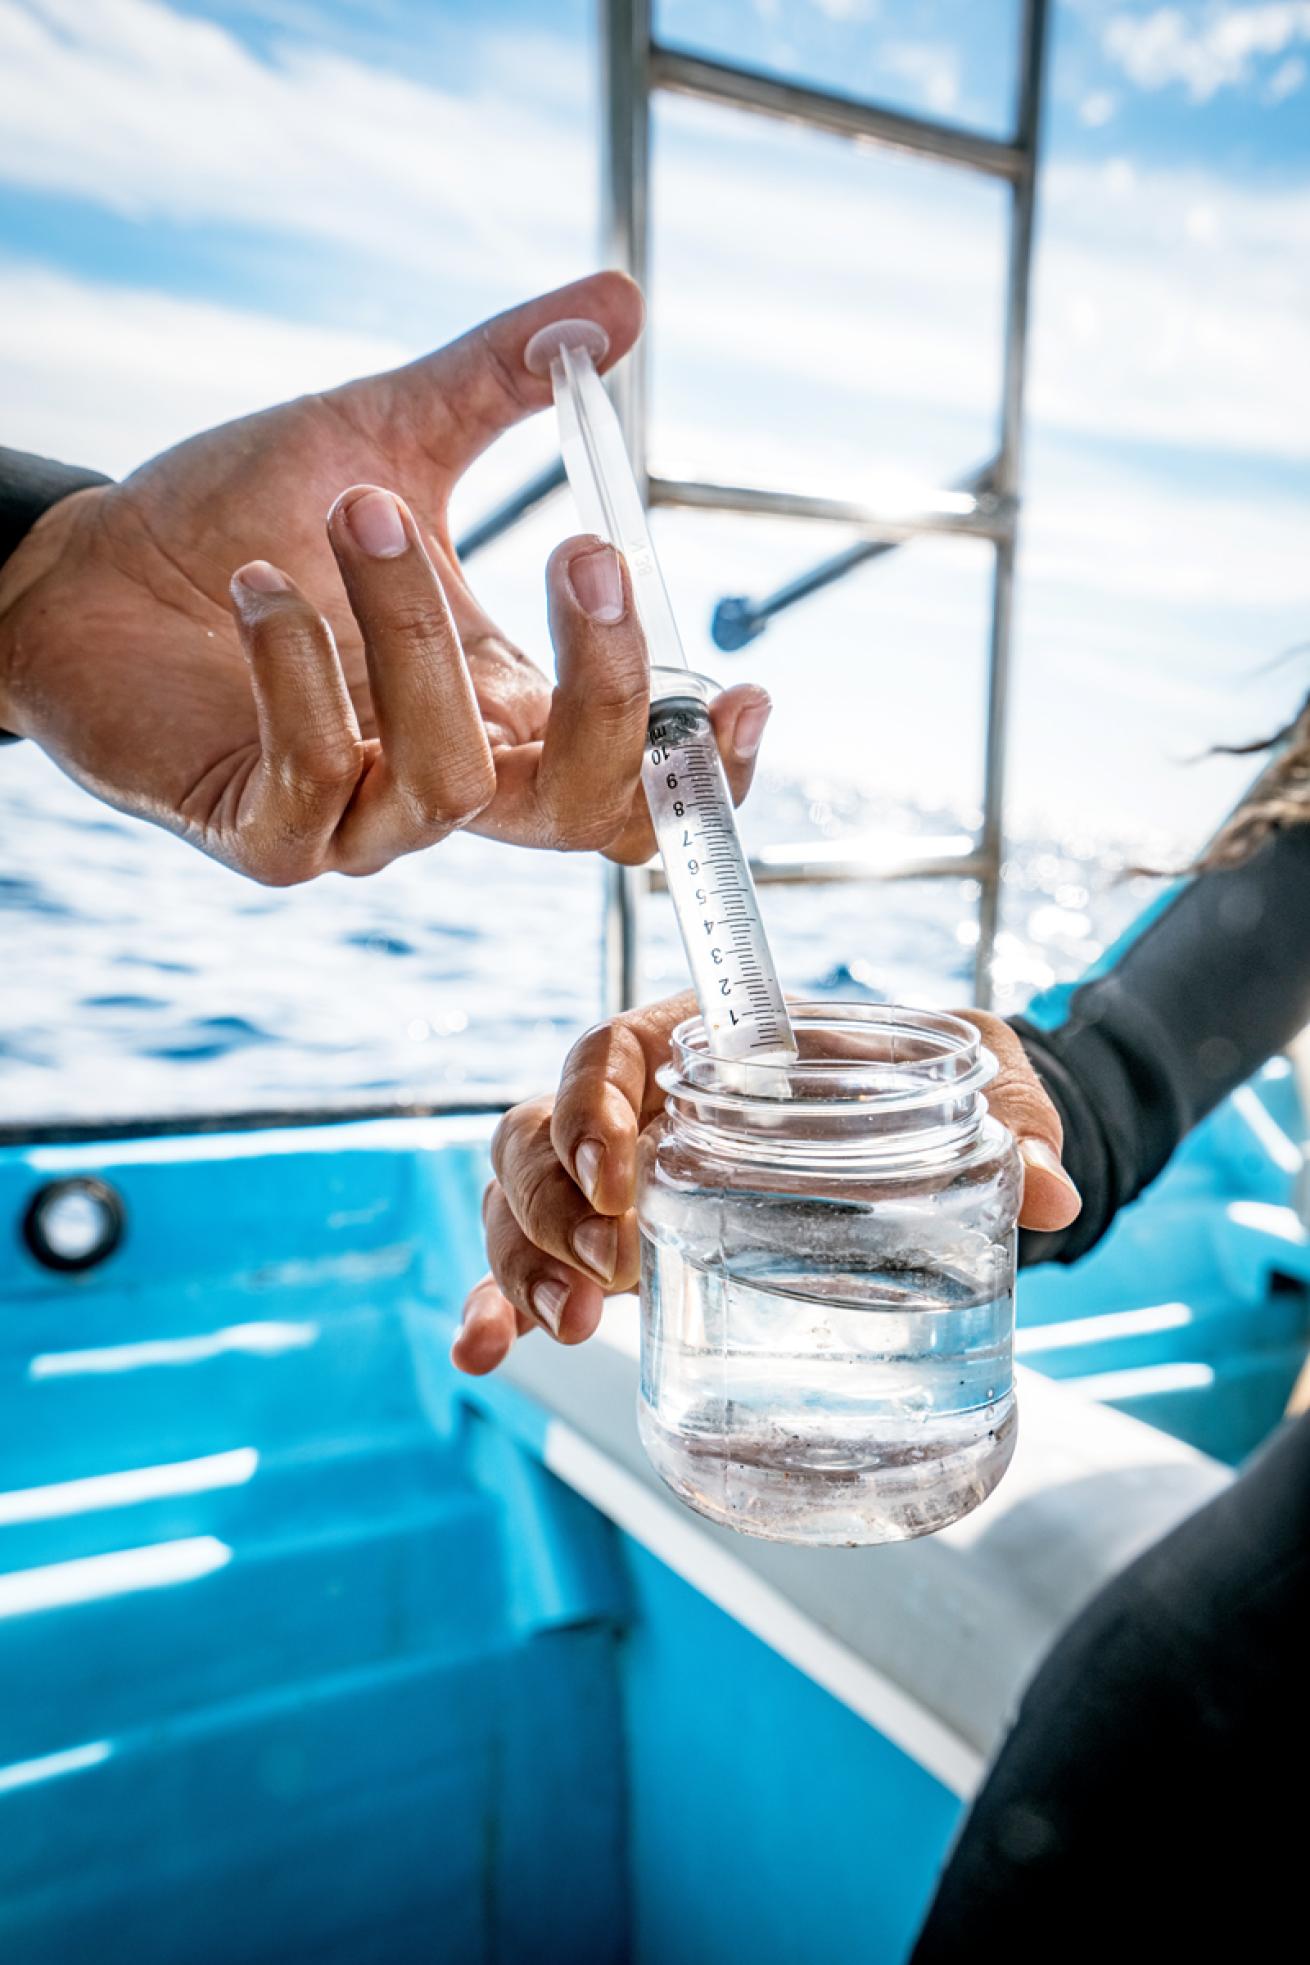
[1096, 109]
[159, 115]
[1174, 308]
[1218, 51]
[106, 376]
[932, 68]
[845, 10]
[1286, 79]
[1171, 308]
[883, 275]
[1098, 530]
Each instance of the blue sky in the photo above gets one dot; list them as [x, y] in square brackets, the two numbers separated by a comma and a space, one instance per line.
[206, 207]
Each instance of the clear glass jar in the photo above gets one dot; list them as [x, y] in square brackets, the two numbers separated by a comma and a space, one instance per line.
[828, 1250]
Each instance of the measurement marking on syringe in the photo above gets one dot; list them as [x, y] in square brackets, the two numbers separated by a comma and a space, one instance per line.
[709, 879]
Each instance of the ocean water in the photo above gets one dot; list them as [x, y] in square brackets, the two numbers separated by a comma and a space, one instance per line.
[138, 978]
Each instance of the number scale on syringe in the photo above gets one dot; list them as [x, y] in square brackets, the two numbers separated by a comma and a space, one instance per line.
[710, 884]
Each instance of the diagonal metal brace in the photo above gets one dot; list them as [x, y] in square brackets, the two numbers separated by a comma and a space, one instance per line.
[738, 620]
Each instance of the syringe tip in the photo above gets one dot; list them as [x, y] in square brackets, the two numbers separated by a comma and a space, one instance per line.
[547, 342]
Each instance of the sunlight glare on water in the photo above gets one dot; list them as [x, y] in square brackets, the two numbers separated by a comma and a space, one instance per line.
[141, 978]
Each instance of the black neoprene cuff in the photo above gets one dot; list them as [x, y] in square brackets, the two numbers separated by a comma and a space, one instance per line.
[29, 486]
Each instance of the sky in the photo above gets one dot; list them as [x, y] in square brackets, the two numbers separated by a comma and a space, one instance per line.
[207, 207]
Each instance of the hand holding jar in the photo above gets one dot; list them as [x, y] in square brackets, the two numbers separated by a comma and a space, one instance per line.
[780, 1204]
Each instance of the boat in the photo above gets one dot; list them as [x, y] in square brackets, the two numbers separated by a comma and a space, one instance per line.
[316, 1651]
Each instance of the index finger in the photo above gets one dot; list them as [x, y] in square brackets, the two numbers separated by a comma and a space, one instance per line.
[608, 1092]
[595, 737]
[436, 770]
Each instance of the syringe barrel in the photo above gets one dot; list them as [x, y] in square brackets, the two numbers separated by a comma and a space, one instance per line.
[708, 873]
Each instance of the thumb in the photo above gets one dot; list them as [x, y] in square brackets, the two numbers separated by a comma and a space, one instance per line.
[478, 386]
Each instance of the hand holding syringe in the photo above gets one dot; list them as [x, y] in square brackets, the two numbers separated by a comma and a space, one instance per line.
[704, 862]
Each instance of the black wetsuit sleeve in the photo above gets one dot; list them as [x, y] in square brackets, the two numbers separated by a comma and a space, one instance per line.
[29, 486]
[1218, 982]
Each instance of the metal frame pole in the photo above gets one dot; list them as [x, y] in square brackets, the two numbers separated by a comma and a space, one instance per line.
[1006, 482]
[625, 43]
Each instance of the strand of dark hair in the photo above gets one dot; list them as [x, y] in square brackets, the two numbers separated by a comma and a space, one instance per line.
[1280, 796]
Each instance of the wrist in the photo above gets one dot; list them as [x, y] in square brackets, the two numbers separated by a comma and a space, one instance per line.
[26, 581]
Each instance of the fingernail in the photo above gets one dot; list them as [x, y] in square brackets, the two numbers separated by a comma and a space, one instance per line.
[598, 584]
[1035, 1153]
[374, 523]
[260, 578]
[749, 734]
[548, 1298]
[596, 1243]
[586, 1167]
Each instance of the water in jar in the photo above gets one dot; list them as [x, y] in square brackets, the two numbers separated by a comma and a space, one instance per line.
[826, 1403]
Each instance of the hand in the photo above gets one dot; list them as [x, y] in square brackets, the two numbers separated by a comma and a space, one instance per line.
[348, 700]
[561, 1231]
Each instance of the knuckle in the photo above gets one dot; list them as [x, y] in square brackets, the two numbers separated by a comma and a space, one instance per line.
[590, 828]
[295, 838]
[1024, 1106]
[588, 1057]
[589, 835]
[512, 1261]
[534, 1196]
[288, 632]
[267, 873]
[445, 807]
[319, 769]
[992, 1028]
[621, 692]
[432, 817]
[288, 863]
[419, 618]
[628, 852]
[996, 1034]
[517, 1127]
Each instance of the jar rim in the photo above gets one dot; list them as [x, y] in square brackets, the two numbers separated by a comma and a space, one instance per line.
[929, 1057]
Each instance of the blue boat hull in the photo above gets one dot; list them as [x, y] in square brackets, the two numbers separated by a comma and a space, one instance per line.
[312, 1654]
[352, 1676]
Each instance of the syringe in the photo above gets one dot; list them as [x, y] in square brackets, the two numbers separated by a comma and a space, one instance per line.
[708, 874]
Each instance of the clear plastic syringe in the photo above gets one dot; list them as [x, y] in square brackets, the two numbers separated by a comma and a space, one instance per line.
[708, 874]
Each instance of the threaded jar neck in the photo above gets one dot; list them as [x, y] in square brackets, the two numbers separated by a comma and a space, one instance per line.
[871, 1081]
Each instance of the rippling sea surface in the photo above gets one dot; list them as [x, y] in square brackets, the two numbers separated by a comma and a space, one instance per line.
[141, 979]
